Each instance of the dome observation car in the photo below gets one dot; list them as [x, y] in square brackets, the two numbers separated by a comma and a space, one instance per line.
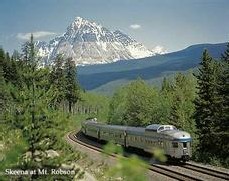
[159, 128]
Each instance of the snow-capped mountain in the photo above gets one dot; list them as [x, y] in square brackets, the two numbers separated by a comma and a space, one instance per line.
[90, 43]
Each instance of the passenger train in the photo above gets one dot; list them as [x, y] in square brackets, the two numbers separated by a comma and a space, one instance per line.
[175, 143]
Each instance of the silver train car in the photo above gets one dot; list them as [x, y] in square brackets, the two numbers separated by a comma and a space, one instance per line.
[175, 143]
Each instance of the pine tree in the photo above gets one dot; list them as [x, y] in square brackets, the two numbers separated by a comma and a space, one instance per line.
[6, 65]
[71, 84]
[25, 52]
[223, 114]
[57, 79]
[224, 88]
[206, 104]
[183, 94]
[177, 115]
[32, 114]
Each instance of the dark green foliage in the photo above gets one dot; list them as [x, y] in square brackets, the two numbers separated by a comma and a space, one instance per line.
[10, 69]
[28, 114]
[117, 107]
[66, 88]
[208, 105]
[57, 79]
[183, 95]
[71, 83]
[31, 120]
[31, 114]
[93, 105]
[165, 85]
[205, 103]
[6, 84]
[132, 105]
[3, 92]
[222, 135]
[223, 89]
[138, 104]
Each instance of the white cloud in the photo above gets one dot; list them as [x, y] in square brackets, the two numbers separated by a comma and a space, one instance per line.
[135, 26]
[36, 35]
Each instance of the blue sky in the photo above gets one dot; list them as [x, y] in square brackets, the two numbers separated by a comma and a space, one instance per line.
[173, 24]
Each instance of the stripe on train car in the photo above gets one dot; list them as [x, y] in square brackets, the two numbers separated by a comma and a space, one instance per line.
[182, 139]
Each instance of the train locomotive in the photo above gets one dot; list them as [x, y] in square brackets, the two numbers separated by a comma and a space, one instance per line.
[175, 143]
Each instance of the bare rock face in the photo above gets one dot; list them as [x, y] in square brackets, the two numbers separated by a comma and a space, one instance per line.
[90, 43]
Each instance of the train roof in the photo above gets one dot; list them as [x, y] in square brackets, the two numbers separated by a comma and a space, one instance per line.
[160, 127]
[135, 130]
[114, 126]
[131, 129]
[128, 129]
[153, 127]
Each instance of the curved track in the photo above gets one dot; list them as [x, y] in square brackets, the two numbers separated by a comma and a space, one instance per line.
[79, 138]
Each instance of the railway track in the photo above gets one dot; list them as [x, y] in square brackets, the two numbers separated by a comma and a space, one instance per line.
[162, 169]
[173, 174]
[208, 171]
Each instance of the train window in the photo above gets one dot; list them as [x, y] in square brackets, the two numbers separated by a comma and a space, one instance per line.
[161, 128]
[185, 144]
[175, 144]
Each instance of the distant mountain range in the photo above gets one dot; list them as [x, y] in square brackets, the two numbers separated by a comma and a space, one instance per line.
[105, 78]
[90, 43]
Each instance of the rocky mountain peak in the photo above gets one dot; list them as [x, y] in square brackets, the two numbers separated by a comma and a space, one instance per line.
[90, 43]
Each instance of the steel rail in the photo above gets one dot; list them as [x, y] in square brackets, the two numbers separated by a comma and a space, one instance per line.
[208, 171]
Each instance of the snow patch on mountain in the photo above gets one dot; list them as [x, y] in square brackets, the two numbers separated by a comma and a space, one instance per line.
[90, 43]
[159, 50]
